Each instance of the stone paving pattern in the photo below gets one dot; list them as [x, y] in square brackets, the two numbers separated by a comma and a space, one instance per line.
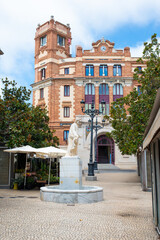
[125, 213]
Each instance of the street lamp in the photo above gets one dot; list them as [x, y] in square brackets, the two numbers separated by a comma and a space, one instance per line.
[92, 113]
[96, 127]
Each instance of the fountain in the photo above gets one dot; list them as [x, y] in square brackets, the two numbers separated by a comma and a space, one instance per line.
[71, 190]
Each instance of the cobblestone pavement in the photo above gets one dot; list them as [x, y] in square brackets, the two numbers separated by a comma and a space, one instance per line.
[125, 213]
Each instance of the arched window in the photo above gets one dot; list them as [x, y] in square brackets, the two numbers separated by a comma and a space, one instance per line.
[117, 70]
[103, 70]
[89, 70]
[104, 95]
[117, 91]
[89, 95]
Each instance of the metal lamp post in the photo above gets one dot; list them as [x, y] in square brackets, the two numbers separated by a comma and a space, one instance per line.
[96, 127]
[92, 113]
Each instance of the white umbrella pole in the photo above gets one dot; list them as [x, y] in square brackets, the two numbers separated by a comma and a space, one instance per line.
[25, 172]
[49, 172]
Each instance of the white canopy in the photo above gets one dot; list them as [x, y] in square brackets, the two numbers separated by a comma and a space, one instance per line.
[23, 149]
[51, 152]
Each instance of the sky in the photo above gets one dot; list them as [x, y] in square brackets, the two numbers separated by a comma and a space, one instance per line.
[124, 22]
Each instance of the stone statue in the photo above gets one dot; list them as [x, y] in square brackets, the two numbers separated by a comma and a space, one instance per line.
[73, 139]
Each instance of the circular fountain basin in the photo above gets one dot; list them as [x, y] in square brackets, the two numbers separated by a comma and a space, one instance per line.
[86, 194]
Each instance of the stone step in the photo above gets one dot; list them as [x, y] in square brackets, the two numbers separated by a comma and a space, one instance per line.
[107, 166]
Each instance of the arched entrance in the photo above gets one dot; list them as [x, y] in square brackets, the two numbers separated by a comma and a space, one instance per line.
[105, 150]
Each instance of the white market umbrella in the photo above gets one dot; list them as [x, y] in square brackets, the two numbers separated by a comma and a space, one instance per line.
[23, 149]
[51, 152]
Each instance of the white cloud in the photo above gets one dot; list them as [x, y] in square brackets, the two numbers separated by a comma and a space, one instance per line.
[137, 51]
[18, 21]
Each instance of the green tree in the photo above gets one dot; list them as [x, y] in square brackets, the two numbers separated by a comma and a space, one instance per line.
[41, 135]
[21, 123]
[129, 115]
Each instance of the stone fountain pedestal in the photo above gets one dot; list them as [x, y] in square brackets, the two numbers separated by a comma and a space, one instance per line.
[70, 189]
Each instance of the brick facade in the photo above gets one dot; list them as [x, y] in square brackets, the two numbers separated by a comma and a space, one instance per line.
[54, 56]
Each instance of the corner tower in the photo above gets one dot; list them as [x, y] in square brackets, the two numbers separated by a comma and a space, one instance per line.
[52, 43]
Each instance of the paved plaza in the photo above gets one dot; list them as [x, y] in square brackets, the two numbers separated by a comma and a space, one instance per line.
[125, 213]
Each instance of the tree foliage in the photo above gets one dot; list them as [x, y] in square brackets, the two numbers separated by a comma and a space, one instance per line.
[21, 123]
[129, 115]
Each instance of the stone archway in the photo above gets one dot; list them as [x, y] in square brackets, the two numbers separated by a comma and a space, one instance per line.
[105, 150]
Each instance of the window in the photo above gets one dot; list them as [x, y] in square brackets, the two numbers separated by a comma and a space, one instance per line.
[103, 89]
[60, 41]
[117, 70]
[41, 93]
[43, 73]
[103, 70]
[117, 91]
[105, 110]
[43, 41]
[66, 112]
[66, 90]
[89, 89]
[104, 95]
[139, 89]
[89, 95]
[139, 69]
[66, 71]
[65, 135]
[89, 70]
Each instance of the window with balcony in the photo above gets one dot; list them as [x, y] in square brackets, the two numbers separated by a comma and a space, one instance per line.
[117, 70]
[60, 41]
[43, 73]
[66, 90]
[89, 95]
[66, 71]
[104, 95]
[43, 41]
[103, 70]
[41, 93]
[117, 91]
[66, 112]
[65, 135]
[89, 70]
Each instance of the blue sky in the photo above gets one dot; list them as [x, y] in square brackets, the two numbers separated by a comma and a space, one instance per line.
[126, 23]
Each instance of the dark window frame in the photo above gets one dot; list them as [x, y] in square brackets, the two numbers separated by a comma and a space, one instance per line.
[61, 41]
[65, 135]
[66, 71]
[43, 73]
[66, 112]
[41, 93]
[116, 68]
[43, 41]
[103, 67]
[117, 91]
[66, 90]
[89, 70]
